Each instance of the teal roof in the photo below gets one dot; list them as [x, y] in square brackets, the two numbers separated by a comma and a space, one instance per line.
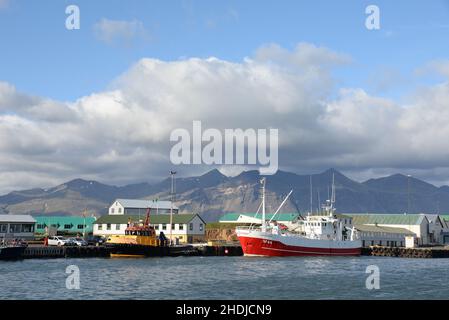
[279, 216]
[445, 217]
[64, 223]
[399, 219]
[155, 219]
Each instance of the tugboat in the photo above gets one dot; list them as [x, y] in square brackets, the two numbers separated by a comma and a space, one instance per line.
[138, 241]
[323, 235]
[12, 251]
[141, 241]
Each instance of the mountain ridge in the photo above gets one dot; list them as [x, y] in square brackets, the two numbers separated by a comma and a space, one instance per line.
[214, 194]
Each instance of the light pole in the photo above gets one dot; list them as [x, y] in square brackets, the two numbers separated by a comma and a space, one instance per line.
[408, 193]
[172, 174]
[84, 225]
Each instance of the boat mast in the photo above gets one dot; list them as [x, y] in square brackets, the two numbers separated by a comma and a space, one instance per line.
[147, 218]
[311, 196]
[264, 226]
[331, 212]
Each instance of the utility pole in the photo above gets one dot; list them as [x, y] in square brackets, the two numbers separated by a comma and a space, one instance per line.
[84, 225]
[172, 174]
[408, 194]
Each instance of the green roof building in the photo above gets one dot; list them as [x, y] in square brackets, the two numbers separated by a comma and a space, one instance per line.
[187, 228]
[65, 224]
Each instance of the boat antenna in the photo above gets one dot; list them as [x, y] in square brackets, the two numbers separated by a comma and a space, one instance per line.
[319, 201]
[333, 195]
[264, 226]
[147, 218]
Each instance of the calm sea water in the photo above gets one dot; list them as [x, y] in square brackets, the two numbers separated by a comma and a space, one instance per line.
[226, 278]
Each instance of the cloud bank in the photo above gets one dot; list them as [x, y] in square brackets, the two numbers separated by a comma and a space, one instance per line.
[122, 135]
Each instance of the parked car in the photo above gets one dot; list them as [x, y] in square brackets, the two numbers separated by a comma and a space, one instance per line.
[96, 240]
[78, 242]
[57, 241]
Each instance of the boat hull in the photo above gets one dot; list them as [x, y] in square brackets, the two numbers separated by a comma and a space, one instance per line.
[11, 253]
[137, 251]
[284, 246]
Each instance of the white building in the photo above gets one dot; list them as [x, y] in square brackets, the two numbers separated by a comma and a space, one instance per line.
[17, 226]
[187, 228]
[417, 224]
[437, 229]
[374, 235]
[139, 207]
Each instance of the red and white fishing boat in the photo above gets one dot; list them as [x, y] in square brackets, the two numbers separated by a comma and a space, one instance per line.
[323, 234]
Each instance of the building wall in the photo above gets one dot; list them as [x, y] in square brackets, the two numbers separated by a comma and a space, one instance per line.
[382, 239]
[186, 235]
[20, 230]
[116, 208]
[421, 231]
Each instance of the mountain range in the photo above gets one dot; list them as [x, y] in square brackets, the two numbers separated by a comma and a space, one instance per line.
[214, 194]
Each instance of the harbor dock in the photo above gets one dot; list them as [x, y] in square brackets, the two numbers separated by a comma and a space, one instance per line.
[48, 252]
[431, 252]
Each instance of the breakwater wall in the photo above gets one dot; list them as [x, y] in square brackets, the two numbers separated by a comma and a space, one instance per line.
[406, 252]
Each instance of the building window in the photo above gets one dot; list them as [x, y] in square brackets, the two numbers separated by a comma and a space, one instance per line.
[80, 226]
[181, 227]
[67, 226]
[100, 227]
[40, 226]
[15, 228]
[173, 226]
[27, 228]
[164, 226]
[112, 210]
[156, 227]
[3, 228]
[201, 227]
[119, 210]
[191, 226]
[108, 226]
[117, 227]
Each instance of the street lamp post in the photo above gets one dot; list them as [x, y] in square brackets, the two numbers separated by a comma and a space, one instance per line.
[172, 174]
[84, 225]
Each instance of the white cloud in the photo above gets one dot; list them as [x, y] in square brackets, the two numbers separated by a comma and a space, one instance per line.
[122, 135]
[120, 31]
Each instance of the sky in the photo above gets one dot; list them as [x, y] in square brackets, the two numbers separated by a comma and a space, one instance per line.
[100, 102]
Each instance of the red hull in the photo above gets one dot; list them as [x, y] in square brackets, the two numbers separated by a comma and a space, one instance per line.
[262, 247]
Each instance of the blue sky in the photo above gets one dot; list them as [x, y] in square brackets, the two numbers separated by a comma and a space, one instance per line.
[40, 57]
[378, 100]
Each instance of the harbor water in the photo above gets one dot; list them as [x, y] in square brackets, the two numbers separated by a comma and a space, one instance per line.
[226, 278]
